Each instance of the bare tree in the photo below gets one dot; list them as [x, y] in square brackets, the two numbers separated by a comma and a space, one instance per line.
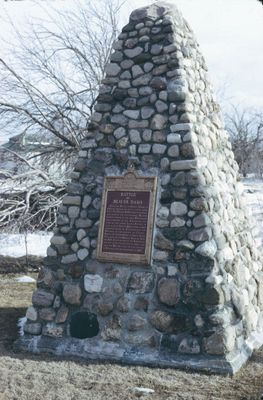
[246, 133]
[48, 87]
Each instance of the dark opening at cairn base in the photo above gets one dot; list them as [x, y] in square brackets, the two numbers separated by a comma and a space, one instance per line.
[84, 325]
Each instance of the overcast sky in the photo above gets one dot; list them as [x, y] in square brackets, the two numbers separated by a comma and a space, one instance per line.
[230, 33]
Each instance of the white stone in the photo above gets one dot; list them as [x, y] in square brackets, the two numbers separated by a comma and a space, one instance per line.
[178, 208]
[86, 201]
[163, 212]
[207, 249]
[174, 138]
[172, 270]
[177, 223]
[82, 254]
[93, 283]
[31, 313]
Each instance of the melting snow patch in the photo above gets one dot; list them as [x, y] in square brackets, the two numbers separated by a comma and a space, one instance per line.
[20, 324]
[25, 279]
[140, 391]
[17, 245]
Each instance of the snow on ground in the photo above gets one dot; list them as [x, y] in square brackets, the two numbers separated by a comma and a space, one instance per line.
[25, 279]
[14, 245]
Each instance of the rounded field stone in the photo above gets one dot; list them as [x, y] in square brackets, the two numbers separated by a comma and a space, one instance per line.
[168, 291]
[72, 293]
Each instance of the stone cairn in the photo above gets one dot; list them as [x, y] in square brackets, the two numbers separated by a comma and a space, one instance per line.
[199, 304]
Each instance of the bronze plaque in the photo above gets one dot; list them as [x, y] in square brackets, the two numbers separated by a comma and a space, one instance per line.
[127, 217]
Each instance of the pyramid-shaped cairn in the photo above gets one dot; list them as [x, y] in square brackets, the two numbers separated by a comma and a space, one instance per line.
[172, 275]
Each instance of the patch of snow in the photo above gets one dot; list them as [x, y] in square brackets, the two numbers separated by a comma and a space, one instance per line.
[142, 391]
[20, 324]
[25, 279]
[17, 245]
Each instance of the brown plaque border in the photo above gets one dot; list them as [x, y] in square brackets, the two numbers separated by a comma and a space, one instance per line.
[130, 181]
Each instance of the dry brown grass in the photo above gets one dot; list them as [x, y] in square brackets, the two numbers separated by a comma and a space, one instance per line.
[28, 377]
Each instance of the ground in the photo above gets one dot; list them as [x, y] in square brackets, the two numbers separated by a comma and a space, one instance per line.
[44, 377]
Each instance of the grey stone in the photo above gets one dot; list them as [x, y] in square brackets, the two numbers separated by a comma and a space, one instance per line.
[162, 321]
[42, 298]
[148, 67]
[145, 91]
[189, 345]
[83, 223]
[33, 328]
[161, 106]
[45, 277]
[141, 80]
[72, 200]
[112, 329]
[93, 283]
[144, 148]
[131, 53]
[112, 69]
[73, 211]
[82, 254]
[177, 223]
[147, 112]
[138, 124]
[162, 243]
[186, 244]
[121, 143]
[119, 119]
[159, 255]
[72, 293]
[136, 322]
[85, 242]
[159, 122]
[123, 305]
[168, 291]
[173, 151]
[53, 330]
[183, 165]
[126, 75]
[86, 201]
[62, 315]
[200, 235]
[198, 204]
[178, 208]
[69, 258]
[159, 148]
[207, 249]
[119, 133]
[58, 240]
[136, 71]
[135, 136]
[158, 83]
[31, 313]
[220, 342]
[47, 314]
[126, 64]
[105, 309]
[141, 282]
[156, 49]
[134, 114]
[81, 233]
[179, 179]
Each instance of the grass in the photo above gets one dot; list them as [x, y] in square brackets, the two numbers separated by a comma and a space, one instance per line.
[42, 377]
